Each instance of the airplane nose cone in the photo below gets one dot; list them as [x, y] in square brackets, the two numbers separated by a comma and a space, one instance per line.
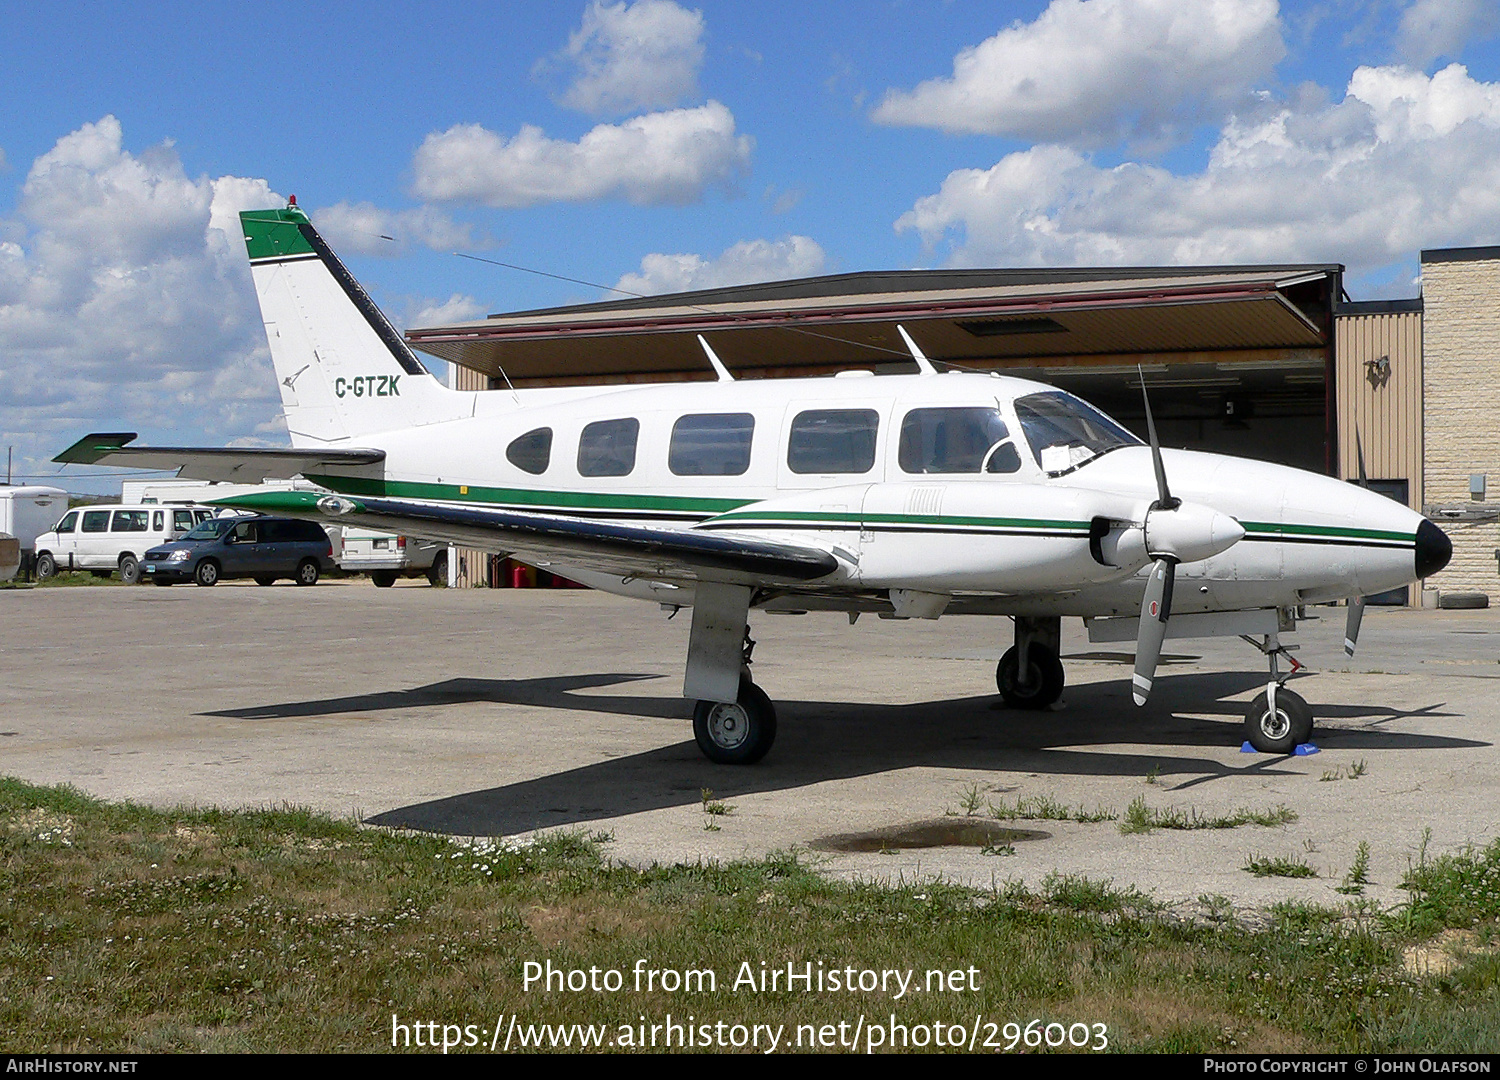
[1434, 549]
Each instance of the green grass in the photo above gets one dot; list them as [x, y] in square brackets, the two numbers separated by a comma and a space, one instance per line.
[1140, 818]
[130, 929]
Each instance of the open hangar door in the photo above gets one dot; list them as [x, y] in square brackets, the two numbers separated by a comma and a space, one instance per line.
[1237, 358]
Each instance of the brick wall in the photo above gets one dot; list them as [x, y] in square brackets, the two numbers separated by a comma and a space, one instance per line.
[1461, 376]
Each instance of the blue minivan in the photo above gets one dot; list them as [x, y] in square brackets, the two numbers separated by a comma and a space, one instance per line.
[263, 548]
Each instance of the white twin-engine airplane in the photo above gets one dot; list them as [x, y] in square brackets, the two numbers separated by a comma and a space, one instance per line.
[910, 496]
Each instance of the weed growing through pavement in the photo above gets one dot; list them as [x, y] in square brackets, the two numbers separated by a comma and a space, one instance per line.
[1359, 872]
[1345, 772]
[1140, 818]
[713, 808]
[971, 800]
[1280, 866]
[1046, 808]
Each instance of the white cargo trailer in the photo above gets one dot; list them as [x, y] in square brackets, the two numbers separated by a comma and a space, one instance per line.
[27, 512]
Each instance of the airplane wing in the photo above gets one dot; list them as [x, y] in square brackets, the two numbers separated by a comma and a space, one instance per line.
[246, 465]
[609, 547]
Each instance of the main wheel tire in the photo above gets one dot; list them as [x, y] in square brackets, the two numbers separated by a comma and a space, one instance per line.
[206, 573]
[383, 579]
[1043, 687]
[738, 733]
[130, 570]
[1283, 732]
[307, 572]
[437, 573]
[46, 566]
[264, 580]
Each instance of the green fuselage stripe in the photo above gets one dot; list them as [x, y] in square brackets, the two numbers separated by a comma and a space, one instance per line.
[523, 497]
[1337, 532]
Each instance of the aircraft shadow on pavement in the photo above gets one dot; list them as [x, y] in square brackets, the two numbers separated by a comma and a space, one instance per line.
[820, 741]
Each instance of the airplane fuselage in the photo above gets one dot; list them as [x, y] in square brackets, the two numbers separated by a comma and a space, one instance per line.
[861, 465]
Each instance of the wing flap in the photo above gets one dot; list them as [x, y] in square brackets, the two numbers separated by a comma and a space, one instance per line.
[246, 465]
[609, 547]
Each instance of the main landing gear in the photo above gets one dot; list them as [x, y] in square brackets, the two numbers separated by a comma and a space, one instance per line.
[1278, 720]
[1030, 674]
[734, 722]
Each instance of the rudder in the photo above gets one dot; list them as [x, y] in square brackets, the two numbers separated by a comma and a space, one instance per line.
[344, 371]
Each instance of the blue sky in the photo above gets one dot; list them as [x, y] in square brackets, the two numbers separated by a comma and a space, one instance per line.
[659, 146]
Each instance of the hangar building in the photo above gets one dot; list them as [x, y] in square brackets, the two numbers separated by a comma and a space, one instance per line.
[1270, 362]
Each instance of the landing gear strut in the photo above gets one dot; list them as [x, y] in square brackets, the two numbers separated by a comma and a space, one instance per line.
[1278, 720]
[733, 720]
[1030, 674]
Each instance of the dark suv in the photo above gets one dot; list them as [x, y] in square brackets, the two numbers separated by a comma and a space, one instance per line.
[263, 548]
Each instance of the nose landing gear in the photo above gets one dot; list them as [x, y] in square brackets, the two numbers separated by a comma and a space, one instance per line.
[1278, 720]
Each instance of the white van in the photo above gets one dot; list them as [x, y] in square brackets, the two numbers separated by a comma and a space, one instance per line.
[103, 539]
[385, 557]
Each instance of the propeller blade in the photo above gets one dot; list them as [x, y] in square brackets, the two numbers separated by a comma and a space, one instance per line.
[1164, 499]
[1156, 607]
[1351, 623]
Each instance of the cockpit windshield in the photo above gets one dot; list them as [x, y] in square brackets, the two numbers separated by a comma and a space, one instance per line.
[1065, 431]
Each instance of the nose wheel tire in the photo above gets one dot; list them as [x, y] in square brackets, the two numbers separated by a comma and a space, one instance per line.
[1284, 730]
[739, 732]
[1044, 684]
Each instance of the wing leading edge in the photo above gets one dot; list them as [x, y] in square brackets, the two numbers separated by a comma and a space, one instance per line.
[244, 464]
[609, 547]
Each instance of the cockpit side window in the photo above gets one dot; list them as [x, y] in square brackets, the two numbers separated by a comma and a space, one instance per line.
[531, 452]
[1066, 432]
[966, 439]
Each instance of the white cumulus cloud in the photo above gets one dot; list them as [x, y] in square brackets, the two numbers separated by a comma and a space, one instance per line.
[1433, 28]
[1093, 71]
[627, 57]
[125, 300]
[1405, 161]
[662, 157]
[367, 229]
[745, 262]
[422, 311]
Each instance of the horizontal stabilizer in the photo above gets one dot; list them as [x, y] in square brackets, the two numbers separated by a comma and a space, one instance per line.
[243, 464]
[631, 551]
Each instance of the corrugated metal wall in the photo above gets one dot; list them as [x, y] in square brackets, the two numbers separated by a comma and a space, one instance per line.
[1386, 412]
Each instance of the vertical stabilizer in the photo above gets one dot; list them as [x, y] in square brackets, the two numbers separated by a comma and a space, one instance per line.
[344, 370]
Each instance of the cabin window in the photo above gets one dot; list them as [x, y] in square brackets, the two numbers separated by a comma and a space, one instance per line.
[833, 441]
[711, 444]
[182, 519]
[956, 440]
[531, 452]
[158, 520]
[131, 520]
[68, 521]
[607, 447]
[95, 521]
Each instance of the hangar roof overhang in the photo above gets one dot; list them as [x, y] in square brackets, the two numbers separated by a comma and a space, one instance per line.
[983, 319]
